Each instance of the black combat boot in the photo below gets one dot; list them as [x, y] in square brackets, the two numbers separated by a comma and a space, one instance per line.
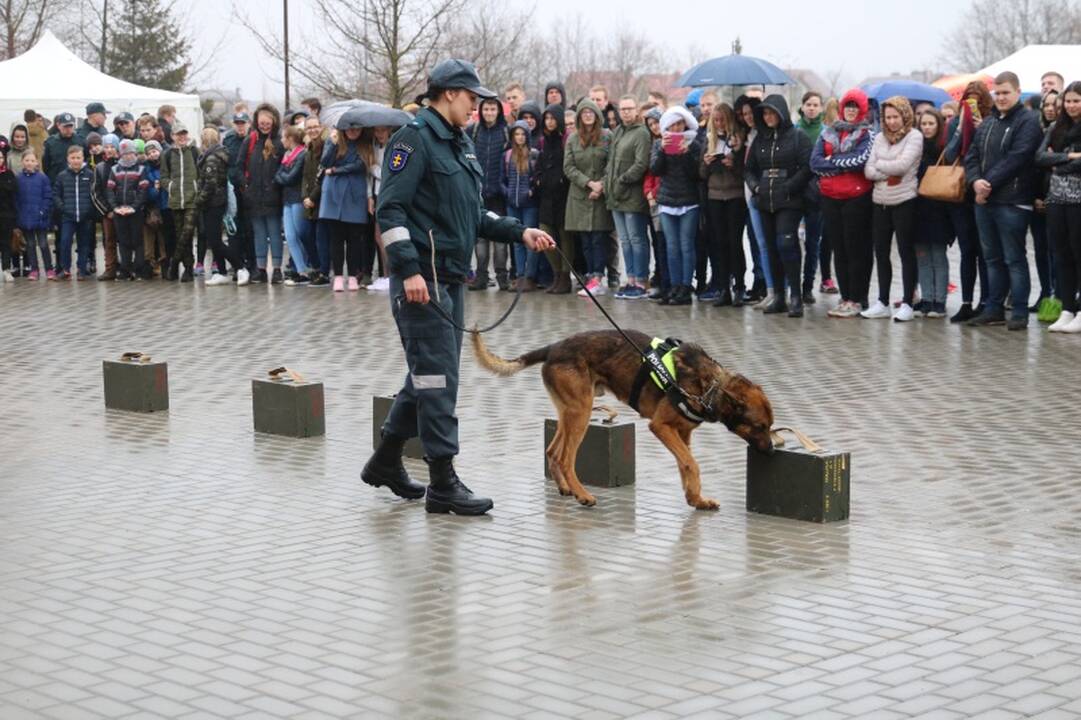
[795, 305]
[446, 493]
[385, 468]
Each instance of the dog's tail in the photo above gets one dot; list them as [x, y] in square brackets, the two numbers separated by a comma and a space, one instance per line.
[499, 366]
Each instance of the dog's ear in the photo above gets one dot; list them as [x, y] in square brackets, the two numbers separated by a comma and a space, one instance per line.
[734, 400]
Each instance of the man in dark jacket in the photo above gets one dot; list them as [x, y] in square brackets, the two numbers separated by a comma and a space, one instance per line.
[242, 239]
[491, 138]
[94, 123]
[1000, 167]
[554, 94]
[777, 172]
[56, 147]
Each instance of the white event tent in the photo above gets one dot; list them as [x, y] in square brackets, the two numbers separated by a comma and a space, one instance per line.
[1032, 61]
[51, 79]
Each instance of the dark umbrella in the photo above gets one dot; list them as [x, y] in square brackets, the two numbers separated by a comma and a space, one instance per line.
[734, 70]
[915, 92]
[363, 113]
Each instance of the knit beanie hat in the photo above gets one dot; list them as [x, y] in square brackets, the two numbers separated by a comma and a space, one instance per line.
[110, 139]
[93, 138]
[140, 146]
[655, 113]
[153, 145]
[128, 146]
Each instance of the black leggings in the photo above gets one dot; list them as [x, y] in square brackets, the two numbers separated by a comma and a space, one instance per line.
[346, 241]
[1064, 231]
[129, 241]
[725, 220]
[899, 219]
[212, 226]
[846, 227]
[781, 229]
[963, 217]
[7, 227]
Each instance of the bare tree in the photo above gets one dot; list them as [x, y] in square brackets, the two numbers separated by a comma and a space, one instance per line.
[377, 49]
[992, 29]
[22, 22]
[496, 39]
[630, 55]
[833, 81]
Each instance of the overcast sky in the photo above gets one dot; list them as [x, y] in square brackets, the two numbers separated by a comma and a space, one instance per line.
[859, 38]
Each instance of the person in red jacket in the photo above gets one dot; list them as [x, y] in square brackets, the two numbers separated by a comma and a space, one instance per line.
[838, 158]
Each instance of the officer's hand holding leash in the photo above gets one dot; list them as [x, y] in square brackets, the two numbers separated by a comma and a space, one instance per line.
[416, 287]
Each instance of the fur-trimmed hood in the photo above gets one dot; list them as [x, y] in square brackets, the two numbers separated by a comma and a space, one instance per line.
[676, 113]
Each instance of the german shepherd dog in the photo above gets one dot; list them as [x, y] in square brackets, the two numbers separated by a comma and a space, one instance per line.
[584, 366]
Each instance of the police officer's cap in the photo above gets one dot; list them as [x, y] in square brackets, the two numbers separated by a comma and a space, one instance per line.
[455, 74]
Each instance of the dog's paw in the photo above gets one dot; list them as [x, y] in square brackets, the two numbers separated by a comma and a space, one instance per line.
[565, 491]
[587, 500]
[705, 504]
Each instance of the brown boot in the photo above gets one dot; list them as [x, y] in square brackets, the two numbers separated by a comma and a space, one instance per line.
[562, 284]
[526, 284]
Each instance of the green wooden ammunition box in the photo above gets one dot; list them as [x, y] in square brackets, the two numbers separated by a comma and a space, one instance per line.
[381, 405]
[606, 456]
[136, 386]
[799, 485]
[287, 407]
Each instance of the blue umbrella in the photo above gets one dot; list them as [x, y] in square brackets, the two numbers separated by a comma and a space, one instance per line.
[734, 70]
[916, 92]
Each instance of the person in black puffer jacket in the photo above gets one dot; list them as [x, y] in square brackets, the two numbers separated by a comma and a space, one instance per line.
[7, 211]
[552, 185]
[675, 163]
[777, 172]
[212, 200]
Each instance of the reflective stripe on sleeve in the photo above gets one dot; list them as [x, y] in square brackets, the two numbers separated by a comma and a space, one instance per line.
[492, 215]
[429, 382]
[397, 234]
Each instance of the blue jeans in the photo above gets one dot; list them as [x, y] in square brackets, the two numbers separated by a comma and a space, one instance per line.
[595, 251]
[267, 230]
[296, 228]
[525, 259]
[812, 234]
[679, 233]
[1003, 231]
[631, 228]
[83, 232]
[761, 259]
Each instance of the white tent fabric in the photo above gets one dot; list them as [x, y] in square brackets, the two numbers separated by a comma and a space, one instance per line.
[51, 79]
[1032, 61]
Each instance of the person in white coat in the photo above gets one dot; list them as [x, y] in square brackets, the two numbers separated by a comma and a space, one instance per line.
[893, 166]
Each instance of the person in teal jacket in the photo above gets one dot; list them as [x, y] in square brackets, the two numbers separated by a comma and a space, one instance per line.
[430, 214]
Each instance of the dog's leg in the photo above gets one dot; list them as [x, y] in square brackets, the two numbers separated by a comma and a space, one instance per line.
[554, 451]
[576, 422]
[678, 443]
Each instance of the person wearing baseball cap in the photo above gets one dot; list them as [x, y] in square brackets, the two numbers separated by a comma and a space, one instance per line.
[94, 122]
[55, 156]
[430, 214]
[125, 125]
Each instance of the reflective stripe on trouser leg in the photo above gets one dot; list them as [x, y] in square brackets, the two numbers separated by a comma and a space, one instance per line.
[425, 405]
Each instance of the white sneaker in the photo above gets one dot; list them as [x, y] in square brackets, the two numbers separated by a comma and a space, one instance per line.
[877, 311]
[243, 277]
[905, 313]
[8, 277]
[764, 302]
[1063, 320]
[1074, 326]
[218, 279]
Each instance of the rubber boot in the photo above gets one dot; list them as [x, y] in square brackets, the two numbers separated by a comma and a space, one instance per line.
[448, 494]
[385, 468]
[795, 305]
[562, 284]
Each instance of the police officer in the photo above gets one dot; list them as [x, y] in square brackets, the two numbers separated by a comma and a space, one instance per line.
[430, 214]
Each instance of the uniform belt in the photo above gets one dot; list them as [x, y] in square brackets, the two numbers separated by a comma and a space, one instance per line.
[776, 173]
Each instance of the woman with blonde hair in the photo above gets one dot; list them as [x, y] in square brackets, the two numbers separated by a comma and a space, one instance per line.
[212, 199]
[726, 208]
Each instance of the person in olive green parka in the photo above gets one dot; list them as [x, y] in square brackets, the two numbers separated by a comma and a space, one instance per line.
[585, 161]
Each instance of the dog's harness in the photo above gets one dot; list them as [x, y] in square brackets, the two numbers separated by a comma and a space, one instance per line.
[659, 365]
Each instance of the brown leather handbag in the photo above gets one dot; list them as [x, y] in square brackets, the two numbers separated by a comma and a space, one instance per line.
[944, 182]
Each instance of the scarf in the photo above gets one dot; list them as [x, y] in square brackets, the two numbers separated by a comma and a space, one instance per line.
[901, 105]
[844, 136]
[292, 155]
[128, 163]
